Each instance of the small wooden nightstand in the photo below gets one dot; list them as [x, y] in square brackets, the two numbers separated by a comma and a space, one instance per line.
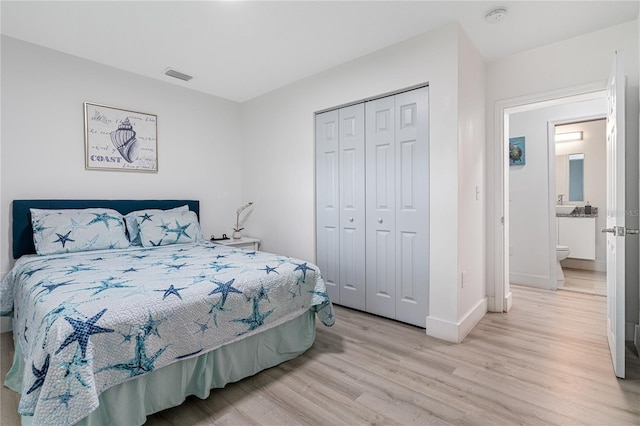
[244, 242]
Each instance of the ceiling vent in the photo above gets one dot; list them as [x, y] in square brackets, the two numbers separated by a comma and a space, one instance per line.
[177, 74]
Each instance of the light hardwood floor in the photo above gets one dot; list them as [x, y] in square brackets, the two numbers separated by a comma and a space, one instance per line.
[584, 281]
[544, 363]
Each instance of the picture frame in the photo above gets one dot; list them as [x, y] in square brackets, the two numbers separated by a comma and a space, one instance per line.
[120, 139]
[517, 151]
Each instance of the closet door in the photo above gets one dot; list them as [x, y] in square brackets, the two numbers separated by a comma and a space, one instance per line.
[381, 201]
[352, 207]
[412, 206]
[328, 201]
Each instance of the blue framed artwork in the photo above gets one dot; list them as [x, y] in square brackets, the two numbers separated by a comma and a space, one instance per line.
[516, 151]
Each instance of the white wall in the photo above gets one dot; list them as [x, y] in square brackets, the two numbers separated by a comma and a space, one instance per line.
[529, 196]
[577, 61]
[594, 146]
[471, 184]
[278, 152]
[43, 137]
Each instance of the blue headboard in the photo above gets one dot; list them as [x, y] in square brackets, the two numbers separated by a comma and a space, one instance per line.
[23, 233]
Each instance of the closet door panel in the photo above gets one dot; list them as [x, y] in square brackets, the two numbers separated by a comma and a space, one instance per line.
[328, 201]
[412, 207]
[381, 200]
[352, 206]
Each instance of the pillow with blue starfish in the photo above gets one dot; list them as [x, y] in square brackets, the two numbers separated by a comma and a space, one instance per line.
[168, 227]
[131, 220]
[73, 230]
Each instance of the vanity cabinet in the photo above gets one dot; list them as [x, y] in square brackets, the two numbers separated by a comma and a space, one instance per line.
[579, 234]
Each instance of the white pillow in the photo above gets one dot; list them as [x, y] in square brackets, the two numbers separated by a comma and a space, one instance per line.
[169, 227]
[73, 230]
[131, 219]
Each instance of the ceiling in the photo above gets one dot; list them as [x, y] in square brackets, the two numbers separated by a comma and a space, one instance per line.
[242, 49]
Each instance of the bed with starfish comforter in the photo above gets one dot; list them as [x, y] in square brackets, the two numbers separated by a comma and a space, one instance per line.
[110, 332]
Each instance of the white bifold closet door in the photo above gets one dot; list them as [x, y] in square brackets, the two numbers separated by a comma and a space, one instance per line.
[397, 206]
[372, 205]
[340, 204]
[327, 201]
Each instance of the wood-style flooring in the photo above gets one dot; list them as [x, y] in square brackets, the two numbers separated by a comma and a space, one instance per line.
[584, 281]
[544, 363]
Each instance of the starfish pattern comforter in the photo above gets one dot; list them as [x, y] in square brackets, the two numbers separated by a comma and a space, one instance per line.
[88, 321]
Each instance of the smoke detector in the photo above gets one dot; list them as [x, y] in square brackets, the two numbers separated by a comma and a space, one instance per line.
[496, 15]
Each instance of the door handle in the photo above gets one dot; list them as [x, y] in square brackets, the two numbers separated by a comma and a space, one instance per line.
[379, 220]
[350, 219]
[621, 231]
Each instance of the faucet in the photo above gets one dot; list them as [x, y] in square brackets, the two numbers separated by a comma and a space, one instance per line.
[560, 199]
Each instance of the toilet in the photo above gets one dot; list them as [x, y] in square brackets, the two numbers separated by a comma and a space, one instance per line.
[562, 253]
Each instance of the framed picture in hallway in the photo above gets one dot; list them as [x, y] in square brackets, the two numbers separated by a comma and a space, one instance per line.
[516, 151]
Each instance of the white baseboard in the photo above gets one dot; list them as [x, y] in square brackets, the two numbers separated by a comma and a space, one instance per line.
[508, 301]
[589, 265]
[456, 332]
[537, 281]
[491, 304]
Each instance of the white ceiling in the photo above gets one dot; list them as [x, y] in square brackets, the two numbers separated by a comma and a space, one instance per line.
[242, 49]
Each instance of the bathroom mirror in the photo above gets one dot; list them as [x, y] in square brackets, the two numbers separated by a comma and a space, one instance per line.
[570, 177]
[576, 177]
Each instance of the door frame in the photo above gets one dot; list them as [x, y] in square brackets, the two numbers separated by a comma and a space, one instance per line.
[502, 293]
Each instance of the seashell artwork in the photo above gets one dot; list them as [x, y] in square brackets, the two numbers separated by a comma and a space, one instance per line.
[124, 139]
[133, 134]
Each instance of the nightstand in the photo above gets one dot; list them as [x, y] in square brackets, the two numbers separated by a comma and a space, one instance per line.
[244, 242]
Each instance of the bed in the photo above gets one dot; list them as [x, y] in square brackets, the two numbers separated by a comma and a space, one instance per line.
[108, 334]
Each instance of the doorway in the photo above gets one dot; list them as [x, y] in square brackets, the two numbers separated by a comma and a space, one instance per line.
[580, 172]
[499, 294]
[530, 223]
[619, 205]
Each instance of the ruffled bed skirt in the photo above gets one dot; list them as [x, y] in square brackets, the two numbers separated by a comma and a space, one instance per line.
[130, 402]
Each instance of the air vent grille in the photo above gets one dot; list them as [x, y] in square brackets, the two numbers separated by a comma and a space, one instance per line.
[177, 74]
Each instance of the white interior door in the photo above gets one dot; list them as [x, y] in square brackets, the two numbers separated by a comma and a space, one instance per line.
[397, 171]
[412, 206]
[352, 207]
[328, 201]
[381, 211]
[616, 215]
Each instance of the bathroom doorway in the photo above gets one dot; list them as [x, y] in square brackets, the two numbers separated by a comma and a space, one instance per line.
[621, 211]
[534, 233]
[580, 176]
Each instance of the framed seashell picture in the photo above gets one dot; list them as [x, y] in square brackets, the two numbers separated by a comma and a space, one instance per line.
[120, 139]
[516, 151]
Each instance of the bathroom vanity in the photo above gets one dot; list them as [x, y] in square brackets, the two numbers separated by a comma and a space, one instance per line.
[578, 231]
[579, 234]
